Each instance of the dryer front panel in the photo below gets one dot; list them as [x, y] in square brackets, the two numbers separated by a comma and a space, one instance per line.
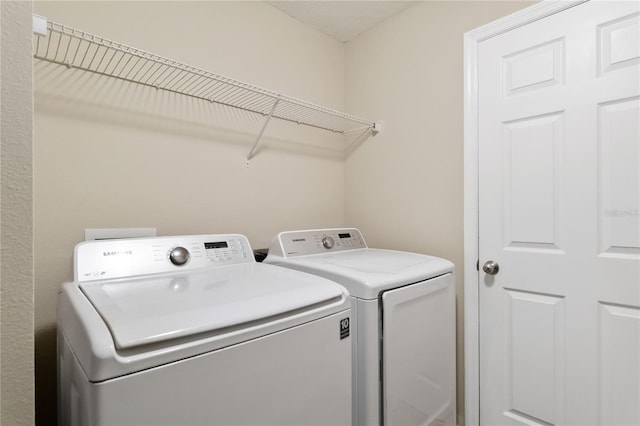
[418, 353]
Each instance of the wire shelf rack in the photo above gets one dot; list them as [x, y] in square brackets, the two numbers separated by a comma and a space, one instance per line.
[73, 48]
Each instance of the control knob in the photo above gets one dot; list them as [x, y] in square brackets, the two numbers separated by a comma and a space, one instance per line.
[179, 256]
[327, 242]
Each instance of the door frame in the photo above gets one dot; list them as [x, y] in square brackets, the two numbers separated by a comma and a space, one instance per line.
[472, 40]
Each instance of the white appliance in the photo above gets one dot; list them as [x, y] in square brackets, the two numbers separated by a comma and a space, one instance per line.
[190, 330]
[403, 322]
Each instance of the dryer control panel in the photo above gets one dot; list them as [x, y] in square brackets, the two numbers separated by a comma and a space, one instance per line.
[121, 258]
[300, 243]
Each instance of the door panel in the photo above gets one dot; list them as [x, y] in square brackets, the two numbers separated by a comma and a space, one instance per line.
[533, 148]
[619, 43]
[619, 374]
[536, 354]
[534, 68]
[559, 210]
[618, 172]
[418, 353]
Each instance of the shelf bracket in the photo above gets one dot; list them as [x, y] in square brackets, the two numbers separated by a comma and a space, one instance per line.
[252, 153]
[39, 25]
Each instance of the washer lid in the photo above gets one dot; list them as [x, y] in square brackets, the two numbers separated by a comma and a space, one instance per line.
[155, 309]
[367, 272]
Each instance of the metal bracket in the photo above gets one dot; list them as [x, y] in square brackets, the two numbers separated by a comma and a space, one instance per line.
[252, 153]
[40, 25]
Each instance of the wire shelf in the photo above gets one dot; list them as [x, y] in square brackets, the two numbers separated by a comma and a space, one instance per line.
[73, 48]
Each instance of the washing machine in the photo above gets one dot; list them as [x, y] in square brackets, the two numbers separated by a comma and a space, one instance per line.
[403, 322]
[190, 330]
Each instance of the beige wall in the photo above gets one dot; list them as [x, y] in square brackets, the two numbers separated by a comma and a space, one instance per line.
[16, 224]
[404, 189]
[113, 155]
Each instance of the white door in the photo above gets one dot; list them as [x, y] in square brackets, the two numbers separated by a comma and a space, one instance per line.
[559, 189]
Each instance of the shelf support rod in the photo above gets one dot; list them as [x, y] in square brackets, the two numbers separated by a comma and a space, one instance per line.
[252, 153]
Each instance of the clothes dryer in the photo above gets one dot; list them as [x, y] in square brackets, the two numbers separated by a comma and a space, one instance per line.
[190, 330]
[403, 322]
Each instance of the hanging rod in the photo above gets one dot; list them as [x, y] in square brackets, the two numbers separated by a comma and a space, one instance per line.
[78, 49]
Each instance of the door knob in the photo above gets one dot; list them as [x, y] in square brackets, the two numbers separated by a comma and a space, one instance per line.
[490, 267]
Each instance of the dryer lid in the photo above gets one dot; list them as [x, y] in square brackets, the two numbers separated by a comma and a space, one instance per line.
[156, 309]
[367, 272]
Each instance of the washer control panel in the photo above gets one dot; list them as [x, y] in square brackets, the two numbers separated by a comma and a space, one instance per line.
[299, 243]
[121, 258]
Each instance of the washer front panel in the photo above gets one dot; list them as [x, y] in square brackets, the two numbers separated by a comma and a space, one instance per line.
[299, 375]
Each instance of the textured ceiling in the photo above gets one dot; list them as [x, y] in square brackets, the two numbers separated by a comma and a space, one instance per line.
[342, 20]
